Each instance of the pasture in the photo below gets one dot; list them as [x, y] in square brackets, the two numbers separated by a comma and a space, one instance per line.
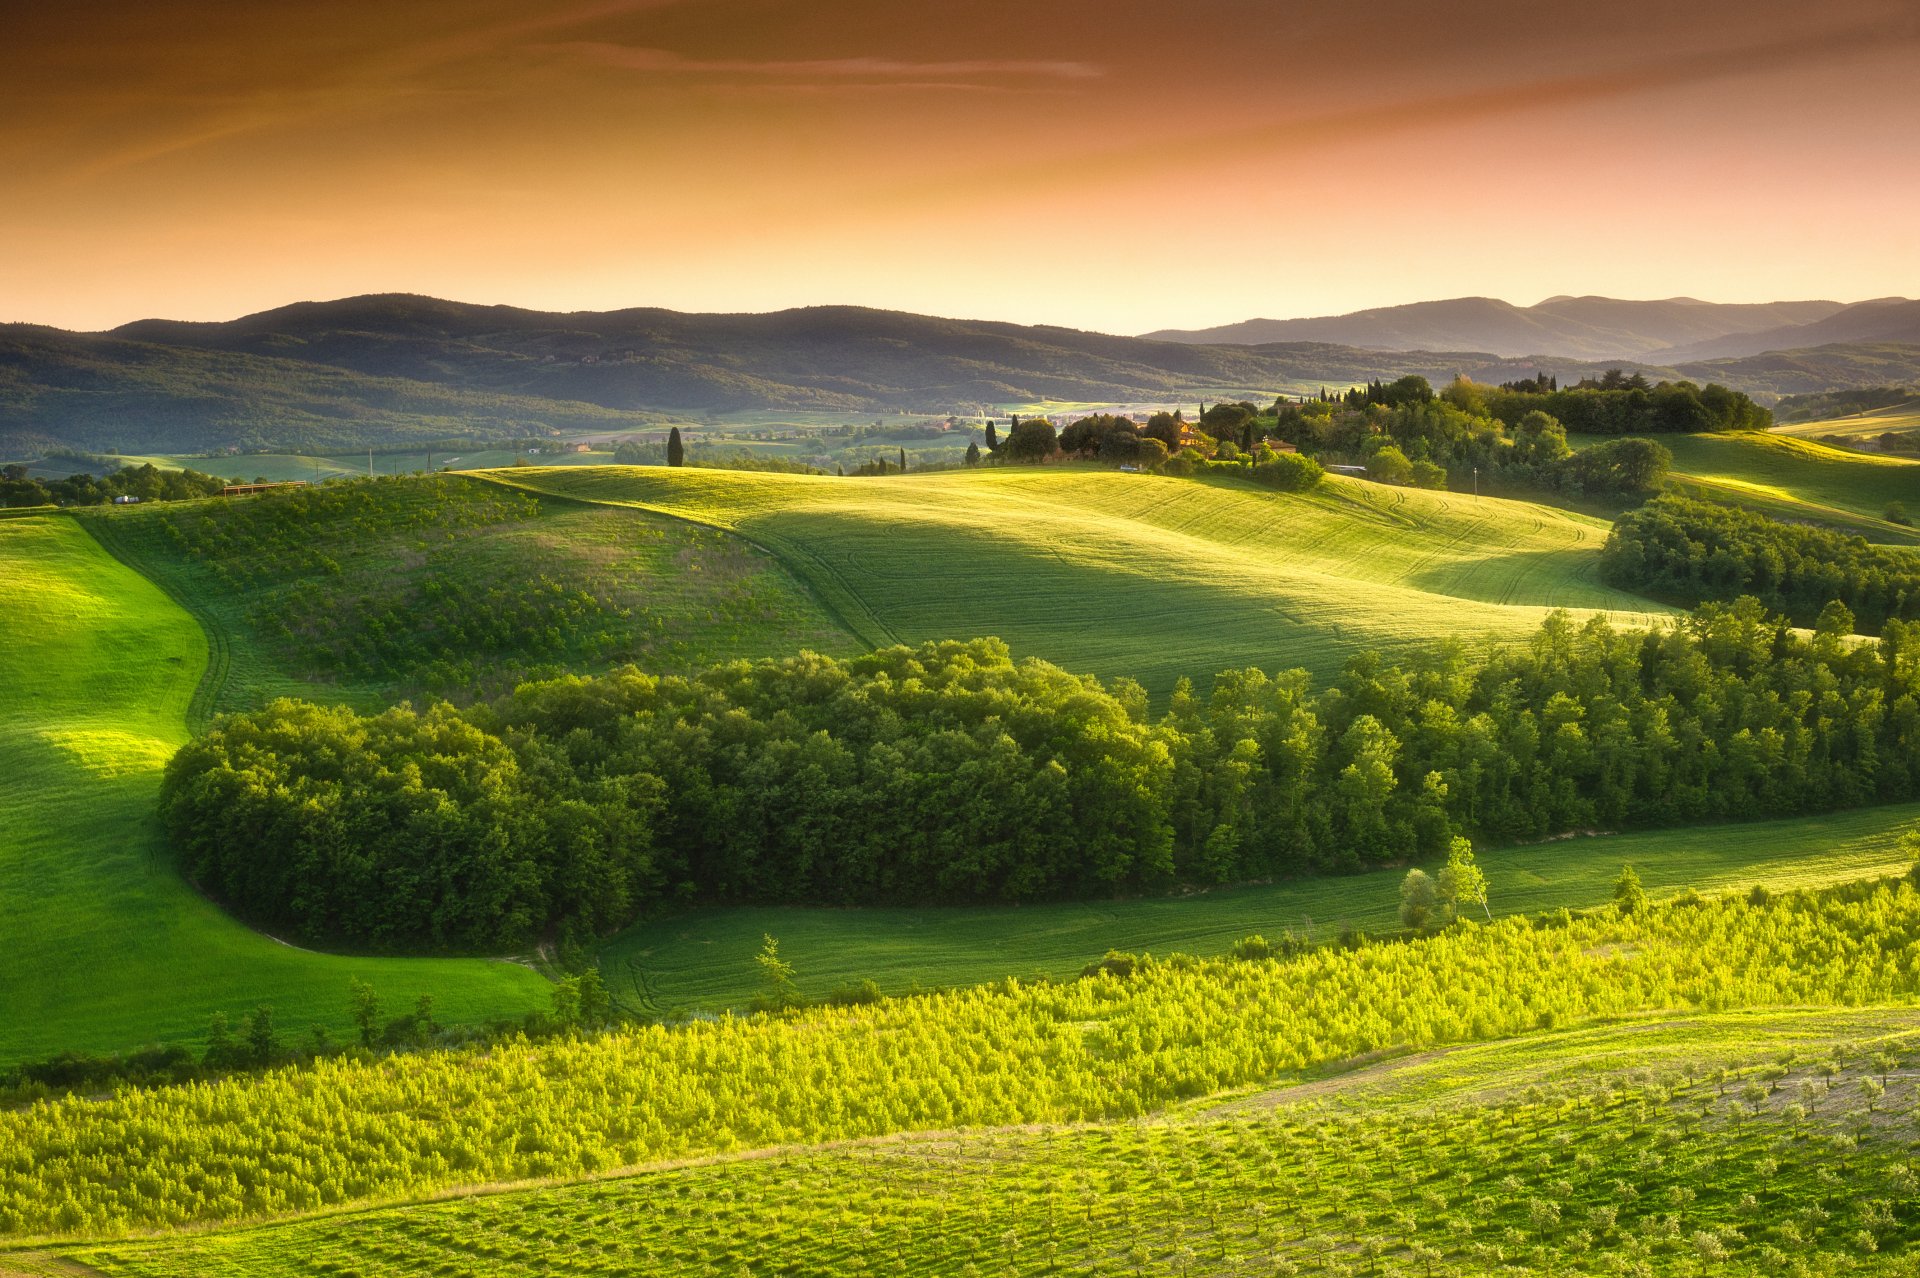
[1801, 480]
[1152, 577]
[705, 960]
[1859, 427]
[439, 585]
[107, 948]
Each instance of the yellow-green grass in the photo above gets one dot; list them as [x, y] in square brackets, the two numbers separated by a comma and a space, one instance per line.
[106, 947]
[1801, 479]
[1143, 575]
[469, 588]
[1898, 418]
[705, 960]
[1574, 1147]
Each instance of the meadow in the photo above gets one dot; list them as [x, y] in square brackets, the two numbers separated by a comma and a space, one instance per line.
[1463, 1159]
[704, 960]
[1898, 419]
[443, 586]
[1799, 479]
[1153, 577]
[107, 948]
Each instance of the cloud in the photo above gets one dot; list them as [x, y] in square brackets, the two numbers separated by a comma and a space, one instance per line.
[851, 69]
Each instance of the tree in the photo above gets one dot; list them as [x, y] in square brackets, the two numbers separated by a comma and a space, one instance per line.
[973, 454]
[366, 1009]
[993, 437]
[1462, 882]
[903, 460]
[1033, 440]
[1421, 907]
[1628, 896]
[676, 450]
[777, 973]
[262, 1044]
[1389, 465]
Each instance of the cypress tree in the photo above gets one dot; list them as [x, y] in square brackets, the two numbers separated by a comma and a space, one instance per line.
[676, 451]
[993, 440]
[903, 461]
[973, 454]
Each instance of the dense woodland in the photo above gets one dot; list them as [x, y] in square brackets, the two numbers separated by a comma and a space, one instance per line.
[952, 773]
[1690, 551]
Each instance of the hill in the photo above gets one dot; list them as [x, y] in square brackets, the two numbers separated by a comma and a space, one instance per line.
[1884, 320]
[107, 947]
[1577, 328]
[1141, 575]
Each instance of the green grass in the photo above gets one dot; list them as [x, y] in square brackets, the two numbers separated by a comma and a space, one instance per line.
[106, 947]
[441, 585]
[1859, 426]
[1141, 575]
[705, 960]
[1799, 479]
[1569, 1152]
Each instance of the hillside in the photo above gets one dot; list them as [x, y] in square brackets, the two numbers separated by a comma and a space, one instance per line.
[1576, 328]
[1461, 1158]
[1884, 320]
[1152, 577]
[107, 947]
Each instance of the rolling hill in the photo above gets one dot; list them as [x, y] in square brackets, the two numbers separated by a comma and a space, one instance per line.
[107, 947]
[1141, 575]
[1882, 321]
[1576, 328]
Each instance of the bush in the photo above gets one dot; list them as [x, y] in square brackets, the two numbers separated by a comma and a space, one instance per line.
[1287, 472]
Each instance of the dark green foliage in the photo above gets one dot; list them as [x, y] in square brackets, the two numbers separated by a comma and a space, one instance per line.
[1032, 440]
[145, 482]
[1288, 472]
[676, 450]
[1624, 466]
[951, 773]
[1596, 408]
[1692, 551]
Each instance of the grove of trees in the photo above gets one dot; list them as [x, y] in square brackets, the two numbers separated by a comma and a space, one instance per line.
[1691, 551]
[951, 773]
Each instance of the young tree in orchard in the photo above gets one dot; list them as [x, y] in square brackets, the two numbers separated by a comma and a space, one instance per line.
[676, 451]
[1462, 882]
[777, 973]
[1628, 896]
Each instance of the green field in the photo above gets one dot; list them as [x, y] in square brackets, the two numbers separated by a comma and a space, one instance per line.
[446, 586]
[1582, 1150]
[705, 960]
[107, 947]
[1859, 426]
[1801, 480]
[1142, 575]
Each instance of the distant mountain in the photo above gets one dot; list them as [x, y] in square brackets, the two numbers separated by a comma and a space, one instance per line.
[1583, 328]
[1888, 319]
[394, 370]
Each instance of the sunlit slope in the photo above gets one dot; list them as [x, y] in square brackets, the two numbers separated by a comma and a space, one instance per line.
[1868, 425]
[1799, 479]
[705, 959]
[1141, 575]
[106, 947]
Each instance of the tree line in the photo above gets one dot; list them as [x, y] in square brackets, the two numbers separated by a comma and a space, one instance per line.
[952, 773]
[146, 482]
[1690, 551]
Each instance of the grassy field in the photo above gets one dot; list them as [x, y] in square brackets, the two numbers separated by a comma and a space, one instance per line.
[1859, 426]
[443, 585]
[1799, 479]
[106, 947]
[1142, 575]
[705, 960]
[1671, 1142]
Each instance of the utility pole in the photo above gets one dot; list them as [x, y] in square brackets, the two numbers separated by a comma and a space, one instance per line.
[1476, 481]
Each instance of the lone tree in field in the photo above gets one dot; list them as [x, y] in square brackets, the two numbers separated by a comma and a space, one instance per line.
[1628, 896]
[973, 453]
[366, 1009]
[777, 973]
[903, 461]
[1461, 882]
[1420, 905]
[676, 451]
[993, 437]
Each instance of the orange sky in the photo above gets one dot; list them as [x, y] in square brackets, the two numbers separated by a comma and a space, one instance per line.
[1110, 164]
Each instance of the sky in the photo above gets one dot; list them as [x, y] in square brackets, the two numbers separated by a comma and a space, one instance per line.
[1119, 165]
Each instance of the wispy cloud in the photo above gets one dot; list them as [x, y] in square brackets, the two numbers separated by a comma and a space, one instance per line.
[849, 69]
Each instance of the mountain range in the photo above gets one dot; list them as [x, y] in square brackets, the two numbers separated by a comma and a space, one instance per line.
[400, 369]
[1667, 333]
